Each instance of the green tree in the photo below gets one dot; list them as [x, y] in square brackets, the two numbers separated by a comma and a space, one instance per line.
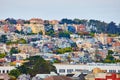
[73, 45]
[23, 69]
[26, 22]
[64, 34]
[11, 42]
[107, 61]
[112, 28]
[41, 33]
[17, 31]
[3, 38]
[2, 55]
[15, 73]
[63, 50]
[14, 51]
[22, 41]
[50, 33]
[110, 58]
[36, 65]
[110, 52]
[91, 34]
[76, 21]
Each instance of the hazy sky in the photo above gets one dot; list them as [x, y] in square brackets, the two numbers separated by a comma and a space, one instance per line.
[104, 10]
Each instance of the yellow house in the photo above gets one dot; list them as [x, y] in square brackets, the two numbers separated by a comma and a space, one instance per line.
[36, 28]
[37, 25]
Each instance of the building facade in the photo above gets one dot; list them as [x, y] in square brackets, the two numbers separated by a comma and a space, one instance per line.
[6, 69]
[64, 69]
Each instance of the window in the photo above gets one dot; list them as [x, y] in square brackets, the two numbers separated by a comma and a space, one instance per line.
[61, 70]
[7, 71]
[3, 71]
[77, 70]
[112, 71]
[69, 70]
[118, 71]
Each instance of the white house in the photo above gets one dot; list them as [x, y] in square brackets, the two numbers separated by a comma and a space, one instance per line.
[64, 69]
[6, 69]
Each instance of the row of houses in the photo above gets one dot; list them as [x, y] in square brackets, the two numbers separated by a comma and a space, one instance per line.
[91, 71]
[36, 25]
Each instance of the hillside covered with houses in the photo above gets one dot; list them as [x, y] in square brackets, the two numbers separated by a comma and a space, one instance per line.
[64, 41]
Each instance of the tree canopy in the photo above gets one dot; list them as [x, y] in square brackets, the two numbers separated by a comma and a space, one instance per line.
[109, 58]
[2, 55]
[15, 73]
[14, 50]
[63, 50]
[3, 38]
[64, 34]
[50, 33]
[36, 65]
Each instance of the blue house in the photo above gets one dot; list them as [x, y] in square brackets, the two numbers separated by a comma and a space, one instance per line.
[71, 29]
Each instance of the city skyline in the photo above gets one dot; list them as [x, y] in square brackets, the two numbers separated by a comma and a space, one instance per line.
[104, 10]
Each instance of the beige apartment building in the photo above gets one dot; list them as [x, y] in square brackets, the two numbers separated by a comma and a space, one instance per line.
[37, 25]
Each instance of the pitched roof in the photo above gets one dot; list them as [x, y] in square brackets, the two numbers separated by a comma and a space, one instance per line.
[57, 78]
[4, 77]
